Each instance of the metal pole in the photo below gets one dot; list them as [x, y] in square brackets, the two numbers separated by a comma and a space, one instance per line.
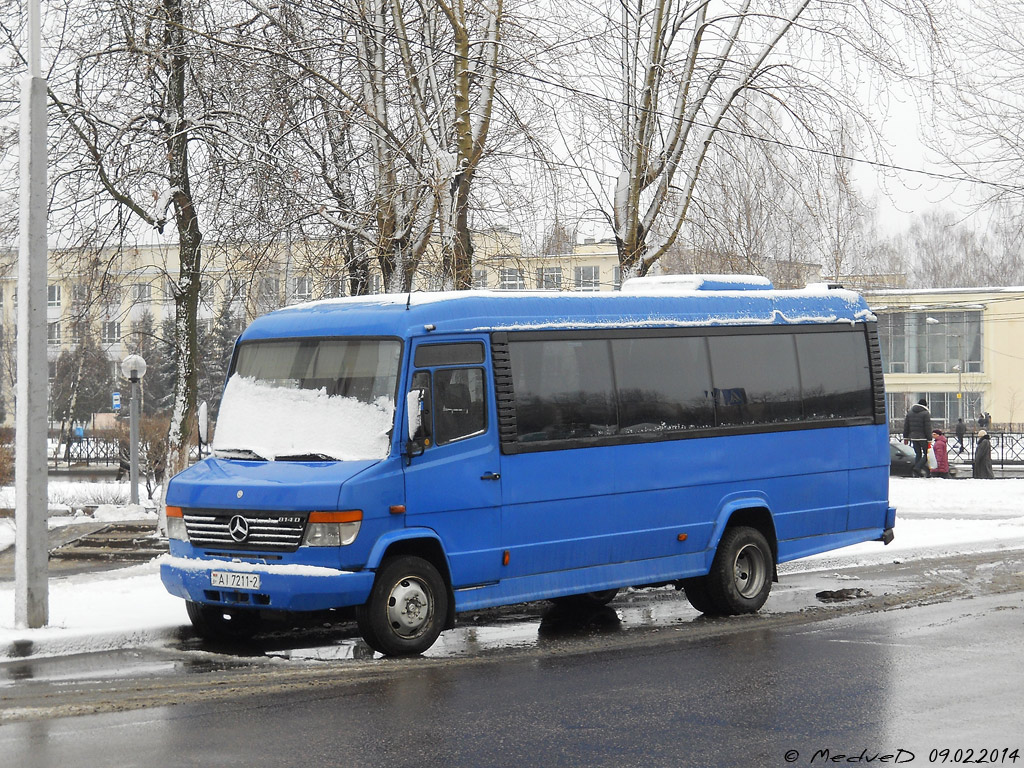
[133, 420]
[960, 376]
[31, 604]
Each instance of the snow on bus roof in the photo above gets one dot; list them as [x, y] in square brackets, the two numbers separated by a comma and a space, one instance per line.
[672, 284]
[670, 301]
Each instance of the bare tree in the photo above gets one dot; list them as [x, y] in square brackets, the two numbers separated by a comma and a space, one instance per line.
[131, 90]
[677, 76]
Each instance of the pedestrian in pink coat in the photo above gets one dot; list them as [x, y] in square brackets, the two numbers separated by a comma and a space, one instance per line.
[939, 448]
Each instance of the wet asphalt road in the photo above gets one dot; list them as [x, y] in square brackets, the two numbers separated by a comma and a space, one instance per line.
[933, 660]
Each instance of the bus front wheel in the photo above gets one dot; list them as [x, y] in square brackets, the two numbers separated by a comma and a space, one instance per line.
[406, 609]
[741, 573]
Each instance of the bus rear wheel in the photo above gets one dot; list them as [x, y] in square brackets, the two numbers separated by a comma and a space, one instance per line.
[406, 609]
[741, 573]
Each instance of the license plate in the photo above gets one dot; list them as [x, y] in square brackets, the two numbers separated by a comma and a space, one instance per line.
[233, 580]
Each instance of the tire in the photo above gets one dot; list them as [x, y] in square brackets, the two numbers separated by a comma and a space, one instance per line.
[215, 623]
[741, 573]
[696, 591]
[406, 609]
[588, 600]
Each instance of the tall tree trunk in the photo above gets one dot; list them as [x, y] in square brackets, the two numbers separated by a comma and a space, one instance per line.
[462, 252]
[186, 298]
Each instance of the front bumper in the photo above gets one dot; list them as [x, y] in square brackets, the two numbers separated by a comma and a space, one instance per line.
[282, 587]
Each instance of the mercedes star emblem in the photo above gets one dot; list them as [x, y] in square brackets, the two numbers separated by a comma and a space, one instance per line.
[238, 527]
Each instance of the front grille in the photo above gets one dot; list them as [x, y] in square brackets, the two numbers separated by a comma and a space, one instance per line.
[264, 532]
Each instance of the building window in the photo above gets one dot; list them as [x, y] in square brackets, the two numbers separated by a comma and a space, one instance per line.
[53, 295]
[479, 278]
[142, 292]
[206, 293]
[510, 279]
[234, 289]
[587, 278]
[79, 294]
[931, 342]
[549, 278]
[268, 292]
[53, 334]
[945, 408]
[334, 288]
[617, 278]
[110, 332]
[302, 288]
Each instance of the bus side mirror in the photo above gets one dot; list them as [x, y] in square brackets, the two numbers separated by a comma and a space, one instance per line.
[413, 404]
[414, 417]
[204, 426]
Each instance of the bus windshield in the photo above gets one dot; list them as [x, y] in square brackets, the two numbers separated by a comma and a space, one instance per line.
[310, 400]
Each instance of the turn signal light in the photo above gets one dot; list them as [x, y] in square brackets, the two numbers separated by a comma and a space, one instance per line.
[176, 524]
[333, 529]
[348, 516]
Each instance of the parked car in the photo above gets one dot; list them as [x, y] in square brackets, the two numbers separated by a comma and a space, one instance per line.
[901, 458]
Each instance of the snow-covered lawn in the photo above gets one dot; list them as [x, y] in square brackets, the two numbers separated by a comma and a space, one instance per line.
[69, 500]
[129, 607]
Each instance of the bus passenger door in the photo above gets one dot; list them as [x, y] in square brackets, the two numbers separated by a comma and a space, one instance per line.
[454, 486]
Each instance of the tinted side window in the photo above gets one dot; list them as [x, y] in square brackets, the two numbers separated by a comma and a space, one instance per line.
[459, 404]
[664, 384]
[755, 377]
[834, 370]
[563, 389]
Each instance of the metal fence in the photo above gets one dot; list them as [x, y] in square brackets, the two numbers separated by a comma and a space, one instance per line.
[85, 451]
[93, 452]
[1007, 448]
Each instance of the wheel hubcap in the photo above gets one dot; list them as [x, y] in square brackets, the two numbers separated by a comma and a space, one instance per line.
[750, 571]
[409, 607]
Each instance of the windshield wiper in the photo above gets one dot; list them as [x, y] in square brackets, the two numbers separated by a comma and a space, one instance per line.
[238, 453]
[306, 457]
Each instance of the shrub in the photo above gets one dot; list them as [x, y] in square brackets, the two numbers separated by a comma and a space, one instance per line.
[6, 465]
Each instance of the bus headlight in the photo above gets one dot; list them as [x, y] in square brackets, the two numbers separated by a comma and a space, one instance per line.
[332, 529]
[176, 524]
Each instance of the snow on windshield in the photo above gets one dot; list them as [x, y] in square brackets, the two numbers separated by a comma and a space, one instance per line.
[278, 421]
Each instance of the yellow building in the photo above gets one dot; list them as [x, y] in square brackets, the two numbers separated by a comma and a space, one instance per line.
[961, 349]
[106, 291]
[591, 266]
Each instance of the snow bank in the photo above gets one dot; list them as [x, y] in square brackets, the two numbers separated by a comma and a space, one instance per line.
[93, 612]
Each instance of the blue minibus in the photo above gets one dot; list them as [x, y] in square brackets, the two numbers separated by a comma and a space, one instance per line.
[412, 457]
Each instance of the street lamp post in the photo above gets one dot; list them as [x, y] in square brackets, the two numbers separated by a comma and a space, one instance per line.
[134, 368]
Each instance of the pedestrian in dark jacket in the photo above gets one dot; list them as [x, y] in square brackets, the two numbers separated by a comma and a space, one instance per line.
[939, 450]
[983, 457]
[917, 429]
[961, 430]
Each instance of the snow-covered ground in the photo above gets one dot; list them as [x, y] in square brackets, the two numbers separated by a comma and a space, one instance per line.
[128, 607]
